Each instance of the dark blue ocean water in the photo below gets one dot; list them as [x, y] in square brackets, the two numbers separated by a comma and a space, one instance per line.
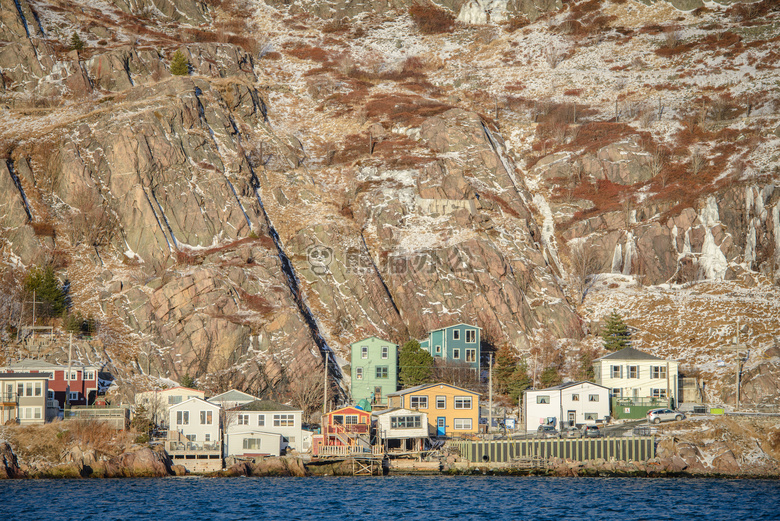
[402, 498]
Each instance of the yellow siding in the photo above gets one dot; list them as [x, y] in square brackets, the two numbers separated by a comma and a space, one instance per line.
[449, 412]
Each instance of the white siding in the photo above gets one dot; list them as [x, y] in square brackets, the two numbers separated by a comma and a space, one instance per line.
[384, 422]
[269, 443]
[292, 433]
[562, 401]
[191, 409]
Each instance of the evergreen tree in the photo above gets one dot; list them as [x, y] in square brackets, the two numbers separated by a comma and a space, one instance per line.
[510, 376]
[76, 43]
[180, 66]
[550, 377]
[187, 381]
[519, 382]
[415, 365]
[47, 289]
[615, 334]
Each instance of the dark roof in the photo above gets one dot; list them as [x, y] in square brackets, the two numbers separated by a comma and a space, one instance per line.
[566, 385]
[629, 353]
[427, 386]
[25, 375]
[264, 405]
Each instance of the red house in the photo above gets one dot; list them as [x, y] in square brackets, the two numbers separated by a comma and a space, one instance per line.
[83, 380]
[348, 427]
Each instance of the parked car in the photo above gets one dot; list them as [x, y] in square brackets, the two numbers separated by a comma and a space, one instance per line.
[664, 415]
[571, 432]
[591, 431]
[547, 431]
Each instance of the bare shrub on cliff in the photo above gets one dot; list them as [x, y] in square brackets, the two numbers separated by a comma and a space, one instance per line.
[91, 222]
[584, 263]
[307, 393]
[432, 19]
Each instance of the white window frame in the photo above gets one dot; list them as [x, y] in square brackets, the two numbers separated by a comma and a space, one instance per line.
[471, 355]
[29, 386]
[206, 418]
[633, 371]
[456, 334]
[284, 420]
[182, 417]
[658, 393]
[463, 424]
[261, 420]
[658, 372]
[617, 392]
[243, 418]
[38, 388]
[575, 397]
[441, 402]
[455, 353]
[463, 402]
[384, 370]
[364, 352]
[358, 373]
[249, 442]
[616, 371]
[471, 333]
[543, 399]
[593, 397]
[420, 401]
[591, 416]
[385, 352]
[73, 396]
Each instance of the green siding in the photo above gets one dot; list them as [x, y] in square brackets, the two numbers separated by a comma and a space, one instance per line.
[372, 366]
[452, 349]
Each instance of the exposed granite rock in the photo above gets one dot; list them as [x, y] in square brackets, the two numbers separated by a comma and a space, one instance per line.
[9, 466]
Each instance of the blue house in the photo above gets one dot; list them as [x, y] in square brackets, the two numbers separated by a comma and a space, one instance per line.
[458, 344]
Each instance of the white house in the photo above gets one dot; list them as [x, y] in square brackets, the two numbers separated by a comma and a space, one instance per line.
[158, 402]
[194, 435]
[232, 398]
[631, 373]
[402, 429]
[573, 403]
[250, 420]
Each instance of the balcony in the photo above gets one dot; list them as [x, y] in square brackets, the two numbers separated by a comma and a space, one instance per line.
[355, 428]
[191, 447]
[8, 399]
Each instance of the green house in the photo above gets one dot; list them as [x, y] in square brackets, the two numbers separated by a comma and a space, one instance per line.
[374, 367]
[457, 345]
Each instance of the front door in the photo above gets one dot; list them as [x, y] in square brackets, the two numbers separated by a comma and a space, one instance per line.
[572, 417]
[377, 394]
[441, 426]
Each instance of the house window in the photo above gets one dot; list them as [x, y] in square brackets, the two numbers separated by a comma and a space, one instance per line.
[617, 392]
[406, 422]
[19, 389]
[38, 388]
[30, 413]
[593, 397]
[364, 352]
[463, 402]
[49, 394]
[182, 417]
[29, 388]
[207, 437]
[359, 373]
[350, 419]
[590, 416]
[617, 371]
[471, 336]
[471, 355]
[385, 352]
[438, 350]
[287, 420]
[338, 419]
[243, 419]
[463, 424]
[191, 437]
[251, 443]
[456, 354]
[456, 334]
[90, 375]
[418, 402]
[206, 418]
[659, 371]
[172, 400]
[543, 398]
[441, 402]
[575, 397]
[633, 371]
[51, 375]
[261, 420]
[658, 393]
[37, 413]
[381, 371]
[73, 396]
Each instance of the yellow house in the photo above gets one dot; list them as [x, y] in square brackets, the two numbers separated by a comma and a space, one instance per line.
[452, 411]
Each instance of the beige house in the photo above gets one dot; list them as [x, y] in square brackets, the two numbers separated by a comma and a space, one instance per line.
[638, 376]
[24, 398]
[158, 402]
[194, 435]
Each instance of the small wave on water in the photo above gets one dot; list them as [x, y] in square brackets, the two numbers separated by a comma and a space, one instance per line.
[393, 497]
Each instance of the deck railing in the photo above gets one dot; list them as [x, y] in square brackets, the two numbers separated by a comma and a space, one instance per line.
[344, 451]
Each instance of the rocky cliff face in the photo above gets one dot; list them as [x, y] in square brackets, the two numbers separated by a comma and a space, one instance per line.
[302, 190]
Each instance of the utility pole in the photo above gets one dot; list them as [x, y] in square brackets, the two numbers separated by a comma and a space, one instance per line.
[737, 348]
[325, 386]
[70, 360]
[490, 394]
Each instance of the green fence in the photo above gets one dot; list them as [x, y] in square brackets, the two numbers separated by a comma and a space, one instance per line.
[634, 448]
[636, 408]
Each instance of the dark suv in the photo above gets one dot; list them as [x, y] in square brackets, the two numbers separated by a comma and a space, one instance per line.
[591, 431]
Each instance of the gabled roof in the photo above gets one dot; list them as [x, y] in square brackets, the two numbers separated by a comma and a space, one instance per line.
[233, 395]
[202, 402]
[348, 408]
[29, 363]
[374, 337]
[422, 387]
[398, 410]
[629, 353]
[454, 325]
[264, 405]
[179, 387]
[566, 385]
